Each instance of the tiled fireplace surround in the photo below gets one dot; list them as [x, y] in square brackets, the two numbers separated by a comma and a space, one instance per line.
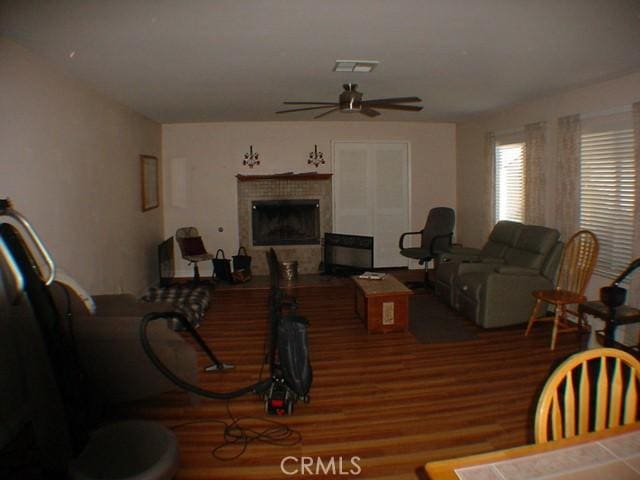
[283, 187]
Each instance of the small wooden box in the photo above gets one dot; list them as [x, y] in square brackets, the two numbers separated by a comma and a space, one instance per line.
[383, 305]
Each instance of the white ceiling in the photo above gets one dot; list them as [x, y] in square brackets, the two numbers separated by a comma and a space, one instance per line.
[237, 60]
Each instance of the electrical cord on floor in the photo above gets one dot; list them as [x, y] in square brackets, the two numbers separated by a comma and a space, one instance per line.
[240, 436]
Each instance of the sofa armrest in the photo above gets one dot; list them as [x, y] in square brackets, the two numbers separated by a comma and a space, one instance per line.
[458, 257]
[465, 251]
[507, 299]
[493, 260]
[126, 305]
[511, 270]
[473, 267]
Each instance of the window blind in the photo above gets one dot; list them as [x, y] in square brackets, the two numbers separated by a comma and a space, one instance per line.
[509, 182]
[607, 195]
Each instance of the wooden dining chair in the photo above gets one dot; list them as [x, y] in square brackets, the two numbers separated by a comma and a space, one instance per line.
[590, 391]
[578, 260]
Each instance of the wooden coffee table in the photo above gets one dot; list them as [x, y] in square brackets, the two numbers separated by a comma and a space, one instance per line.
[383, 305]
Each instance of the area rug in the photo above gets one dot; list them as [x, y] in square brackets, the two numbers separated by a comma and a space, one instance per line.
[431, 321]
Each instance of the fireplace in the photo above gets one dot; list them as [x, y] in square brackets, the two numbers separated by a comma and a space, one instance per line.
[312, 187]
[285, 222]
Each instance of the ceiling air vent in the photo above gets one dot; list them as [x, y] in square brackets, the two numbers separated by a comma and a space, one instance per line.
[358, 66]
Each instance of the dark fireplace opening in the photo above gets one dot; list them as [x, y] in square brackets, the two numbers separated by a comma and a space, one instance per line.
[285, 222]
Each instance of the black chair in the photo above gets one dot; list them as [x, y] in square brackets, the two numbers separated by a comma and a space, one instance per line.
[436, 238]
[192, 249]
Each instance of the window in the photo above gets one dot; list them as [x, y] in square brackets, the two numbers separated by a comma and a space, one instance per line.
[509, 181]
[607, 191]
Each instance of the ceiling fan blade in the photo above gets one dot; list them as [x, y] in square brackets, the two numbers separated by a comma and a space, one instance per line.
[408, 108]
[303, 109]
[391, 100]
[326, 113]
[370, 112]
[310, 103]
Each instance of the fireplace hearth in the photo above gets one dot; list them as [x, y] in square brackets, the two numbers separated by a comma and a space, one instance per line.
[285, 222]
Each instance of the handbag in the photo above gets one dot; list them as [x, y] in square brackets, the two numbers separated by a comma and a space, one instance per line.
[242, 261]
[222, 267]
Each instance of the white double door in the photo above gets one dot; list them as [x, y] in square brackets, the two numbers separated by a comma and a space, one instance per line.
[371, 195]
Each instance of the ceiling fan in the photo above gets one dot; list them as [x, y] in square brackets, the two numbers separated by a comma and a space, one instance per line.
[351, 101]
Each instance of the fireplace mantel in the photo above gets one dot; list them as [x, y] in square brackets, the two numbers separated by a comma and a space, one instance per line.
[285, 176]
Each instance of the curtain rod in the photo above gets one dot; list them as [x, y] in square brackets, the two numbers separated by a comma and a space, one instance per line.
[604, 113]
[509, 131]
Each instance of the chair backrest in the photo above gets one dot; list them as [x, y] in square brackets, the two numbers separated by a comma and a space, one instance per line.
[187, 232]
[534, 244]
[588, 392]
[579, 258]
[504, 234]
[438, 230]
[181, 234]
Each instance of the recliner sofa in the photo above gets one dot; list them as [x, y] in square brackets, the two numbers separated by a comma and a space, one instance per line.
[496, 291]
[503, 236]
[497, 294]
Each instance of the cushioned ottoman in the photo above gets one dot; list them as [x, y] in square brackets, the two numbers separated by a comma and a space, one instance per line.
[191, 301]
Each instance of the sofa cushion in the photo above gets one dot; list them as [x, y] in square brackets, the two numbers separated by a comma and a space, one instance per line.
[504, 234]
[532, 247]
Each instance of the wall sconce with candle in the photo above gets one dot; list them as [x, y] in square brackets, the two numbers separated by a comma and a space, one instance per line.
[315, 158]
[251, 158]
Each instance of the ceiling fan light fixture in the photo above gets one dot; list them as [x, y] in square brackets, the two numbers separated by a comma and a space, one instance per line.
[357, 66]
[350, 101]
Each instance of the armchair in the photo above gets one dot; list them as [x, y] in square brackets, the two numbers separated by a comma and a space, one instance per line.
[498, 293]
[109, 349]
[436, 237]
[504, 235]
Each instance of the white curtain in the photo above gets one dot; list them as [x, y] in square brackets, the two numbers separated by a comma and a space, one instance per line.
[635, 280]
[568, 176]
[490, 162]
[534, 175]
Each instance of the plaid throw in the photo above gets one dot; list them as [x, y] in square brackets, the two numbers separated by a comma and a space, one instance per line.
[192, 302]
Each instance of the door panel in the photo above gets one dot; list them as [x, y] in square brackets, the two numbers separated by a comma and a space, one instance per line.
[391, 202]
[371, 195]
[352, 214]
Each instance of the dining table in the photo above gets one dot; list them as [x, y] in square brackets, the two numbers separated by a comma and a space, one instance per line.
[609, 454]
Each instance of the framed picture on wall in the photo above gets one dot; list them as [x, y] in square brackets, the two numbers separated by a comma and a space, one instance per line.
[150, 182]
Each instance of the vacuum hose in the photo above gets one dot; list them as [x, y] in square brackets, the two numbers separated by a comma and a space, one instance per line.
[258, 387]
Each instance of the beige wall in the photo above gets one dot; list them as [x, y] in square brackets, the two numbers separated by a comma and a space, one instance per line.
[202, 189]
[69, 161]
[473, 215]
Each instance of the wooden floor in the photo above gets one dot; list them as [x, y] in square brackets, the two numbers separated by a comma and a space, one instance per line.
[387, 399]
